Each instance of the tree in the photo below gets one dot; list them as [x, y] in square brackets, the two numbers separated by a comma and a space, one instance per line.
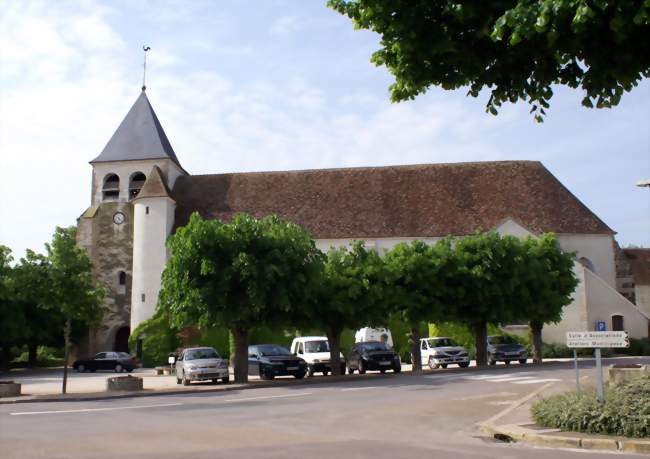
[237, 275]
[13, 322]
[70, 289]
[421, 286]
[350, 295]
[488, 277]
[517, 49]
[547, 284]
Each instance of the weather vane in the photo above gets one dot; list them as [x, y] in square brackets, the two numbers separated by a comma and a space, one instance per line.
[144, 66]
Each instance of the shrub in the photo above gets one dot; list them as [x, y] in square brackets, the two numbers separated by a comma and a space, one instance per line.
[637, 347]
[626, 410]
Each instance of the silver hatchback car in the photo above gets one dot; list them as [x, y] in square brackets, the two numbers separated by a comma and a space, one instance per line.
[201, 364]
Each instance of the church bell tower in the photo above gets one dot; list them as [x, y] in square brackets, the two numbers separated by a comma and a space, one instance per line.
[130, 197]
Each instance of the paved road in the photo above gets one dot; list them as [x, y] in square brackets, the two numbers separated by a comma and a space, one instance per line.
[400, 416]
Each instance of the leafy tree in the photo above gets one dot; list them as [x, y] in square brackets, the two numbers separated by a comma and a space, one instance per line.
[70, 289]
[489, 278]
[350, 295]
[547, 284]
[421, 286]
[515, 48]
[159, 338]
[238, 275]
[13, 323]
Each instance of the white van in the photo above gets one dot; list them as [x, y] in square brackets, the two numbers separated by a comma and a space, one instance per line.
[374, 334]
[315, 350]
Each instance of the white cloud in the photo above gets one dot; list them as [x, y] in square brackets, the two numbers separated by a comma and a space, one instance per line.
[285, 25]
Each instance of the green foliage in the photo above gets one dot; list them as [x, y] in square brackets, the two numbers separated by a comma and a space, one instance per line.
[637, 347]
[626, 410]
[461, 333]
[237, 274]
[46, 356]
[159, 338]
[515, 49]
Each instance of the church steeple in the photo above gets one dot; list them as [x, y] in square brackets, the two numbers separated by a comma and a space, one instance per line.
[140, 136]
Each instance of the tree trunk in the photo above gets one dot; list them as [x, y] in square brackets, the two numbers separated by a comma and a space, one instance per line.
[480, 335]
[536, 329]
[32, 354]
[416, 359]
[334, 338]
[66, 353]
[241, 355]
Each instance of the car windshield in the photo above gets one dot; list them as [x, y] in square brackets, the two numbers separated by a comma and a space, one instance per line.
[317, 346]
[272, 349]
[502, 340]
[198, 354]
[123, 355]
[442, 342]
[373, 346]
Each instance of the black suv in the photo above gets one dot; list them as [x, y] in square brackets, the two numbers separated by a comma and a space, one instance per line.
[505, 349]
[373, 355]
[271, 360]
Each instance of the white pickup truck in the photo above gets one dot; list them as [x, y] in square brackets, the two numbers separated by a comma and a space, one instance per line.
[440, 351]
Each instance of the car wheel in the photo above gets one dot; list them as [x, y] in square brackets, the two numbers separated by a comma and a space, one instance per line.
[118, 368]
[299, 375]
[362, 367]
[225, 379]
[310, 371]
[463, 364]
[266, 376]
[81, 368]
[325, 372]
[350, 370]
[507, 362]
[443, 365]
[178, 380]
[382, 371]
[522, 361]
[492, 361]
[432, 364]
[186, 382]
[215, 381]
[397, 368]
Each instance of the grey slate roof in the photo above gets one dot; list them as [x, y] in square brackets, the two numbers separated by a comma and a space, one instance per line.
[139, 136]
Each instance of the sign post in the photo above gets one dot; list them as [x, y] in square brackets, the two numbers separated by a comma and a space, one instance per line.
[596, 340]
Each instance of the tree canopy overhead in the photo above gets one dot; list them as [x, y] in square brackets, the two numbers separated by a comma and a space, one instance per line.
[516, 49]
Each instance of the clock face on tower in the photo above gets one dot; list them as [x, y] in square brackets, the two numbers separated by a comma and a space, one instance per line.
[118, 218]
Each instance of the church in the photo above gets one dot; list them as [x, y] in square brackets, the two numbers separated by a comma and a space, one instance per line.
[141, 193]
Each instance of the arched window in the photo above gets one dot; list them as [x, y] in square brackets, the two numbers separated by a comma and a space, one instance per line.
[617, 323]
[135, 184]
[586, 262]
[111, 188]
[122, 278]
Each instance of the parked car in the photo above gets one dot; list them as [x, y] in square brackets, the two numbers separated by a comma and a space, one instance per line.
[502, 348]
[374, 334]
[112, 361]
[440, 351]
[271, 360]
[373, 355]
[201, 364]
[315, 350]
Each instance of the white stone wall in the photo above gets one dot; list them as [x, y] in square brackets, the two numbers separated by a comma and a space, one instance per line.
[125, 169]
[149, 254]
[642, 295]
[597, 248]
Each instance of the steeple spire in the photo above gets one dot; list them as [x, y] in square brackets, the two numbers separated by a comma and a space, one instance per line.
[144, 67]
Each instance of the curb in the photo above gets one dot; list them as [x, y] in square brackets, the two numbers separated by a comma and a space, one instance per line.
[94, 396]
[511, 432]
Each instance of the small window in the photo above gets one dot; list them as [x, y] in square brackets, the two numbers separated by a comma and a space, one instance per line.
[143, 297]
[135, 184]
[146, 210]
[111, 188]
[617, 323]
[299, 348]
[122, 278]
[424, 345]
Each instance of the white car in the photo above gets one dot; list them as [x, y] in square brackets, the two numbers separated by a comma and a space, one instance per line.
[201, 364]
[315, 350]
[366, 334]
[440, 351]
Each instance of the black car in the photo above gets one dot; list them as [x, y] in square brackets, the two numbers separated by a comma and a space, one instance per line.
[112, 361]
[271, 360]
[506, 349]
[373, 355]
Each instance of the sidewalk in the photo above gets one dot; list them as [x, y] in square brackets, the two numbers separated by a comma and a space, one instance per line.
[515, 424]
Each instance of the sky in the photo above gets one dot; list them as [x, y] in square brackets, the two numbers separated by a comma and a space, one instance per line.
[267, 85]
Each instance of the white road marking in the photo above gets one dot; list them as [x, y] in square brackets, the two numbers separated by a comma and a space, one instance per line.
[265, 397]
[510, 379]
[536, 381]
[88, 410]
[359, 388]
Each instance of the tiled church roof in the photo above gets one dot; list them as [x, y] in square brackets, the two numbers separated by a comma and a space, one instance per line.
[139, 136]
[396, 201]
